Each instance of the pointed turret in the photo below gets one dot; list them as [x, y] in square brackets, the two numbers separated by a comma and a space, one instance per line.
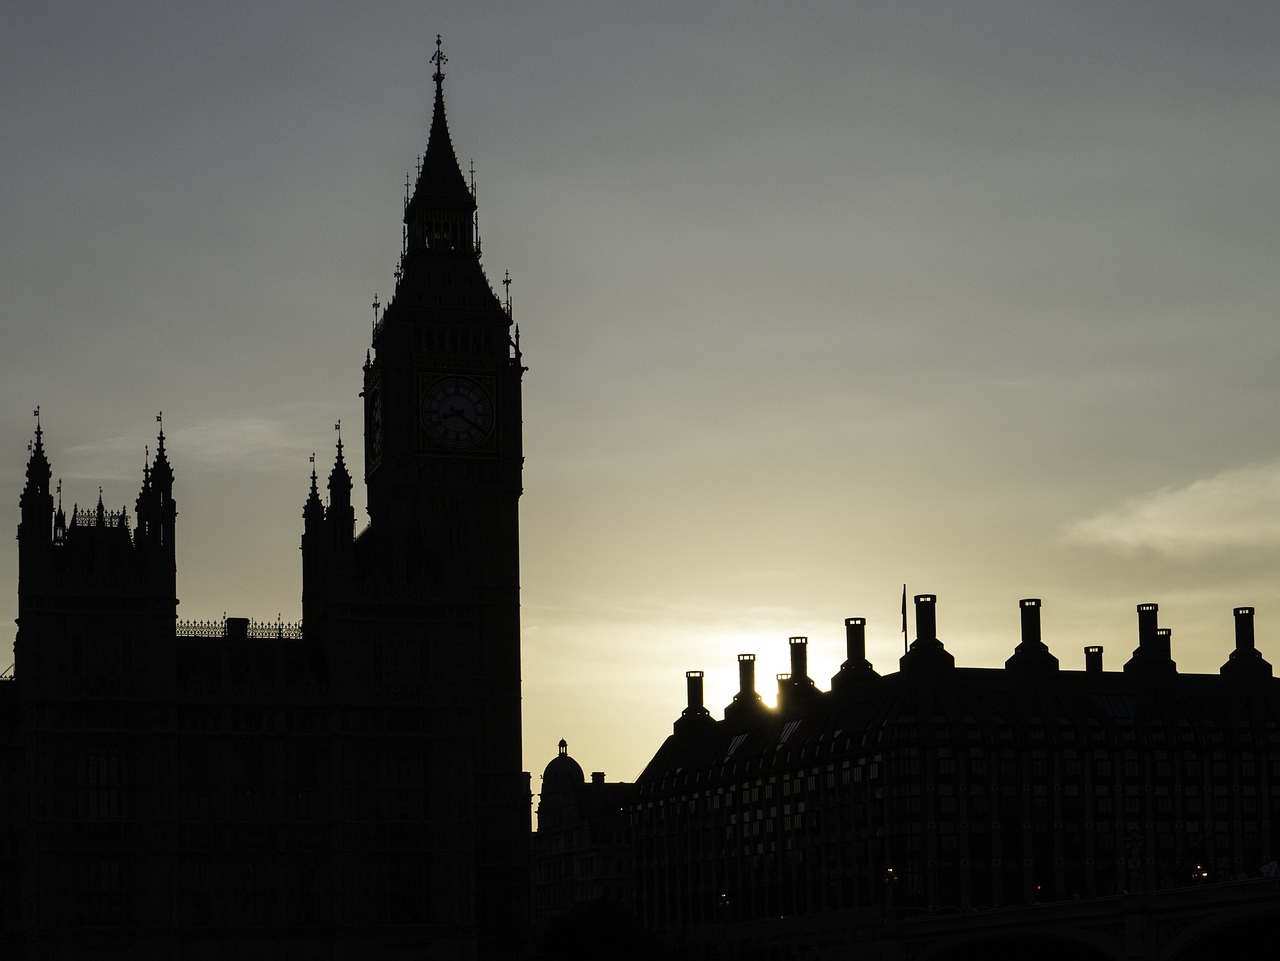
[35, 530]
[161, 472]
[314, 550]
[157, 517]
[38, 469]
[59, 519]
[36, 501]
[313, 510]
[340, 517]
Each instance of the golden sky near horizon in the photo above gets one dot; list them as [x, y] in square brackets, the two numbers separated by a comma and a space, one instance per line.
[980, 298]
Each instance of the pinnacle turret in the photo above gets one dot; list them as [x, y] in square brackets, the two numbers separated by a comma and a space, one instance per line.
[339, 479]
[313, 511]
[36, 502]
[161, 472]
[340, 517]
[38, 469]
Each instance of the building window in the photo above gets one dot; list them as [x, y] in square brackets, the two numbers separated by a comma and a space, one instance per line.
[100, 783]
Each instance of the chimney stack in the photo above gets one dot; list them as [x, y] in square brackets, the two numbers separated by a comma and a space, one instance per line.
[1244, 629]
[746, 677]
[1030, 607]
[1031, 651]
[799, 657]
[796, 690]
[1245, 660]
[1153, 655]
[856, 667]
[746, 703]
[855, 641]
[1147, 624]
[693, 687]
[926, 617]
[1093, 659]
[695, 715]
[926, 651]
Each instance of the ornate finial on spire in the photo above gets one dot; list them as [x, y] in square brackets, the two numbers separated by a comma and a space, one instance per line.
[338, 428]
[38, 471]
[506, 283]
[439, 59]
[376, 307]
[160, 421]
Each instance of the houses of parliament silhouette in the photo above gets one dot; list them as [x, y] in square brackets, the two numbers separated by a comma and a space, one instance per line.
[353, 788]
[349, 789]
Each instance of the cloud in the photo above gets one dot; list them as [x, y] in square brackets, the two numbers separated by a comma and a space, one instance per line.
[1231, 510]
[258, 441]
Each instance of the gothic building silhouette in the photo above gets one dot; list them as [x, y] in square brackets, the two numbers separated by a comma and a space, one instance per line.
[349, 788]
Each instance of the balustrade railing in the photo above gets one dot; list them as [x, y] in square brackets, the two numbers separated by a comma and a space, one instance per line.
[257, 630]
[88, 517]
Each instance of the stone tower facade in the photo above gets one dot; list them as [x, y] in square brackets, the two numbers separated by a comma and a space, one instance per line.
[349, 787]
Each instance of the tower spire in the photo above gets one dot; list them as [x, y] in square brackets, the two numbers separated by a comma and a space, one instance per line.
[313, 511]
[340, 516]
[38, 470]
[440, 213]
[439, 59]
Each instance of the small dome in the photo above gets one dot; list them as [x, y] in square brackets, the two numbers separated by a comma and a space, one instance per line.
[563, 770]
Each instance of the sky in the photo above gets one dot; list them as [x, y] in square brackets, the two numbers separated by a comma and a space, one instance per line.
[980, 298]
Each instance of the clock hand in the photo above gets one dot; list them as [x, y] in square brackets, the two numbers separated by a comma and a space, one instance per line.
[459, 412]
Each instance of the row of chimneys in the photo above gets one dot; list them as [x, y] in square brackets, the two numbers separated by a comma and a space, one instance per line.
[1152, 656]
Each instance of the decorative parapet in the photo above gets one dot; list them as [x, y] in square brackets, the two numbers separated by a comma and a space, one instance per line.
[257, 630]
[87, 517]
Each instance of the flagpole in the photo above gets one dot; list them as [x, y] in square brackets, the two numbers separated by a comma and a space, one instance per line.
[905, 633]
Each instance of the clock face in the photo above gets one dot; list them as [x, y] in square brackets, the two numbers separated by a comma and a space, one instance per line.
[457, 412]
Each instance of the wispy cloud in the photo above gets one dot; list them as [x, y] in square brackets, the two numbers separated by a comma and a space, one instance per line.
[1234, 509]
[262, 441]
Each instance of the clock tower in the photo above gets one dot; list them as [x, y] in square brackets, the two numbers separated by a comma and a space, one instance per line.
[417, 617]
